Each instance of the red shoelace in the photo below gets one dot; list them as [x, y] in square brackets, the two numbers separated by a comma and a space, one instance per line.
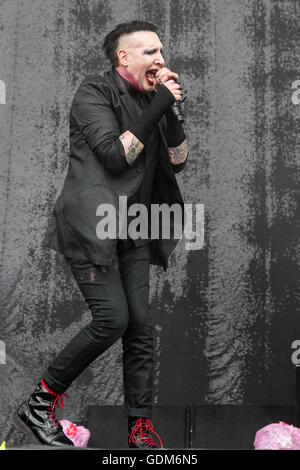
[141, 427]
[57, 401]
[51, 411]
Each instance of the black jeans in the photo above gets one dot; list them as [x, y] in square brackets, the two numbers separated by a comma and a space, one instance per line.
[118, 299]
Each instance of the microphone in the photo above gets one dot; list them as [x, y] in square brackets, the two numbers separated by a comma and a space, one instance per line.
[175, 108]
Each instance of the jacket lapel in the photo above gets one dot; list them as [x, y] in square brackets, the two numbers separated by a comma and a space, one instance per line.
[124, 95]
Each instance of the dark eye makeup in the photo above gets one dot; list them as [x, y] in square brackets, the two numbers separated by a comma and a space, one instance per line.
[152, 51]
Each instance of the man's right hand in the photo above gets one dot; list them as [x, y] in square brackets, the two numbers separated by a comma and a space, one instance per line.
[174, 88]
[166, 77]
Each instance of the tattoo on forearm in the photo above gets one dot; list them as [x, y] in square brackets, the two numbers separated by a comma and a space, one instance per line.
[134, 150]
[132, 146]
[178, 154]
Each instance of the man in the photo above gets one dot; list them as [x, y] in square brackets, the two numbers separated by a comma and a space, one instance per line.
[124, 140]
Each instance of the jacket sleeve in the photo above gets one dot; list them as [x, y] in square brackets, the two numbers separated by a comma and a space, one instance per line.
[93, 113]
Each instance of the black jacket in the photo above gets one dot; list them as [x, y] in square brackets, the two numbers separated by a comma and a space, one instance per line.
[98, 172]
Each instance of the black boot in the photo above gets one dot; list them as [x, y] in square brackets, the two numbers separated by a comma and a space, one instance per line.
[36, 417]
[141, 434]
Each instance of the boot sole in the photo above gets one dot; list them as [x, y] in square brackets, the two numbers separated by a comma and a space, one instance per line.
[20, 426]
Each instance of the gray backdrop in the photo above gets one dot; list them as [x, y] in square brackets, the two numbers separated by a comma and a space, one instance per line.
[226, 315]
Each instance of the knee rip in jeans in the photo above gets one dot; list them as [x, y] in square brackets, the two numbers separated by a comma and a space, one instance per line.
[104, 269]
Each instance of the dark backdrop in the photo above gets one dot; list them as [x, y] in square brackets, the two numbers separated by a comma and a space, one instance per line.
[226, 315]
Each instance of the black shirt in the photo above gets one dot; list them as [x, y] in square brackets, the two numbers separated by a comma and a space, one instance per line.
[143, 195]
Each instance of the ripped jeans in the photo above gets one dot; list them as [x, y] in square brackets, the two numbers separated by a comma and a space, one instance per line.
[118, 299]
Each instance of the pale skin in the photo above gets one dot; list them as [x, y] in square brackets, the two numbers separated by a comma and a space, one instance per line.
[138, 52]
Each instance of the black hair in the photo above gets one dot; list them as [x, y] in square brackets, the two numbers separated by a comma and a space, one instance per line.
[110, 42]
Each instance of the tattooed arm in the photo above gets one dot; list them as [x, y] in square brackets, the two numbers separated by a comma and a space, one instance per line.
[132, 146]
[178, 154]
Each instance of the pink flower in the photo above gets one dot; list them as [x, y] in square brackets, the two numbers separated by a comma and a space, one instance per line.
[79, 435]
[277, 436]
[71, 430]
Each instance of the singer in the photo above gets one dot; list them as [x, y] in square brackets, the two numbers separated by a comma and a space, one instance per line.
[125, 139]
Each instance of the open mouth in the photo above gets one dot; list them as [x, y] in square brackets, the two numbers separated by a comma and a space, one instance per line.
[150, 75]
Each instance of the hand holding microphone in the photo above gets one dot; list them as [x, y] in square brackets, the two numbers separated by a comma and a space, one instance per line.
[169, 79]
